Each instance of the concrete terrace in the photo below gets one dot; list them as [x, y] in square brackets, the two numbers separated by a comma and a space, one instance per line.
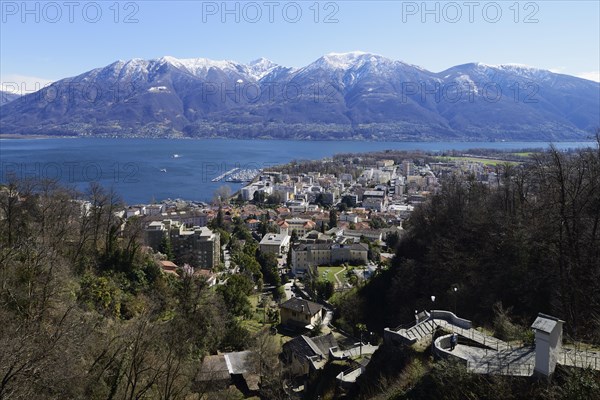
[423, 331]
[356, 351]
[481, 353]
[579, 358]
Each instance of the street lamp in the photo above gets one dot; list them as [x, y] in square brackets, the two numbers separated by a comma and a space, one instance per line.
[432, 323]
[361, 333]
[455, 289]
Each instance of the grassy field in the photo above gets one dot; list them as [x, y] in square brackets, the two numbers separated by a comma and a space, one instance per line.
[525, 154]
[252, 325]
[327, 273]
[484, 161]
[255, 324]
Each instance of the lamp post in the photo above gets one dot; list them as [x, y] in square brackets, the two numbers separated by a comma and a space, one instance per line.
[361, 333]
[432, 323]
[361, 328]
[455, 289]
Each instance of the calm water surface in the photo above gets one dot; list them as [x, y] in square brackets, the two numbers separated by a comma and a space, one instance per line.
[133, 166]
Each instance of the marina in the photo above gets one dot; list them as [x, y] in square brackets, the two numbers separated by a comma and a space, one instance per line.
[237, 175]
[242, 175]
[222, 176]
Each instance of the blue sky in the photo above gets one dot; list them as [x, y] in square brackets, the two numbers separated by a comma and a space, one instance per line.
[46, 41]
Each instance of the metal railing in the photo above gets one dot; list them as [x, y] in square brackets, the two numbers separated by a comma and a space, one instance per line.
[579, 358]
[478, 337]
[405, 326]
[500, 368]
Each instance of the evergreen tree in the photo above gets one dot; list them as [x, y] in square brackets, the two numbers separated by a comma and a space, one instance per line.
[332, 218]
[166, 248]
[263, 225]
[293, 237]
[219, 222]
[288, 259]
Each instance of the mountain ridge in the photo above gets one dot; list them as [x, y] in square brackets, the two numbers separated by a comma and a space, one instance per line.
[353, 95]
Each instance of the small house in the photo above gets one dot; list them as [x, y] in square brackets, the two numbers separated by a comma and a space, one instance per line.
[304, 354]
[298, 312]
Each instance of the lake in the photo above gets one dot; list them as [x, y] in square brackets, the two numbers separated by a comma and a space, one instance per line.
[142, 170]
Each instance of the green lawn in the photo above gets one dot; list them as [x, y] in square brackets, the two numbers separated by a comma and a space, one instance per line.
[525, 154]
[252, 325]
[327, 274]
[484, 161]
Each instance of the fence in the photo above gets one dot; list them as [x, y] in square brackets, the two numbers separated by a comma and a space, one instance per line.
[500, 368]
[579, 358]
[479, 337]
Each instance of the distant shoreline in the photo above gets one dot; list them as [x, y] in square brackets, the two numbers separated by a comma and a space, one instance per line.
[429, 140]
[4, 136]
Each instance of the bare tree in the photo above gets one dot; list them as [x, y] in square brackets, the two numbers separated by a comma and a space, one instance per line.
[222, 195]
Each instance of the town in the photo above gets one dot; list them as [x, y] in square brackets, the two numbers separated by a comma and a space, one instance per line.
[318, 229]
[349, 277]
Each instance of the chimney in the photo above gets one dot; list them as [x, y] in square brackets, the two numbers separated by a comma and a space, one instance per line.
[302, 308]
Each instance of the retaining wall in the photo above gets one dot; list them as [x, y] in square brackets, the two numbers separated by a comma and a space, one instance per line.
[441, 349]
[451, 318]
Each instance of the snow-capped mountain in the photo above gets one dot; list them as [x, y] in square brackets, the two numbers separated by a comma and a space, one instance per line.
[339, 95]
[7, 97]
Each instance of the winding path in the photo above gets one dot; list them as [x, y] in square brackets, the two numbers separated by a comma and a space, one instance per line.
[339, 282]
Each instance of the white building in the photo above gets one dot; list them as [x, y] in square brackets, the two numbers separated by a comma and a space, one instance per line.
[300, 225]
[348, 217]
[275, 243]
[286, 192]
[155, 209]
[248, 192]
[307, 256]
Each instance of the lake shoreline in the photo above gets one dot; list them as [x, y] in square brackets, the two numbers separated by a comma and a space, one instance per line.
[4, 136]
[142, 169]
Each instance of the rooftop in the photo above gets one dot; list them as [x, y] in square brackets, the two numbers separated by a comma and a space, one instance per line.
[545, 323]
[240, 362]
[302, 306]
[274, 238]
[213, 368]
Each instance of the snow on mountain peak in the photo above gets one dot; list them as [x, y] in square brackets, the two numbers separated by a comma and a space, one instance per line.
[355, 53]
[346, 61]
[352, 65]
[520, 70]
[196, 66]
[512, 67]
[261, 61]
[261, 67]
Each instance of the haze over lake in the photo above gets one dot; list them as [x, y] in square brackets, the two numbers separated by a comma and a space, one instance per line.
[142, 170]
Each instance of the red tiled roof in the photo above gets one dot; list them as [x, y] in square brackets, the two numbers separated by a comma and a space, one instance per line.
[168, 265]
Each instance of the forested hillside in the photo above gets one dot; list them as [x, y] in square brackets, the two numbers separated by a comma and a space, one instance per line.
[530, 245]
[497, 256]
[85, 312]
